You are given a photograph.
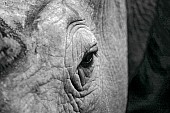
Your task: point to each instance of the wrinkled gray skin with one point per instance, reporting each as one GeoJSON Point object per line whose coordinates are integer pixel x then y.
{"type": "Point", "coordinates": [53, 76]}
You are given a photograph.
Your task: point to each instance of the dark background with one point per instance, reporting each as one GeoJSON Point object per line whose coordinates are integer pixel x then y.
{"type": "Point", "coordinates": [149, 56]}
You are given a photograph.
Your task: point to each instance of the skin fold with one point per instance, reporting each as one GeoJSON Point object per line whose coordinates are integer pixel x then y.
{"type": "Point", "coordinates": [59, 62]}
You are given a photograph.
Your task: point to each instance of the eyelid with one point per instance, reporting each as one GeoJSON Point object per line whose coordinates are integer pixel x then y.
{"type": "Point", "coordinates": [93, 49]}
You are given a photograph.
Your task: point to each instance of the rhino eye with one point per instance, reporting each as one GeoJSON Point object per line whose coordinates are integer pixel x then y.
{"type": "Point", "coordinates": [87, 60]}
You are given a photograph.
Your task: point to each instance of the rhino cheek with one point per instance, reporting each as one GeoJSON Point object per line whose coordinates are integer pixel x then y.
{"type": "Point", "coordinates": [48, 78]}
{"type": "Point", "coordinates": [45, 83]}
